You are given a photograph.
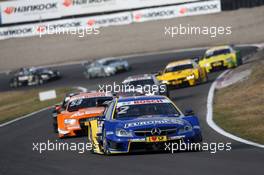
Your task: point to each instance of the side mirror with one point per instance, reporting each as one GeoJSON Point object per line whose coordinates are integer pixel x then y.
{"type": "Point", "coordinates": [158, 73]}
{"type": "Point", "coordinates": [188, 112]}
{"type": "Point", "coordinates": [57, 107]}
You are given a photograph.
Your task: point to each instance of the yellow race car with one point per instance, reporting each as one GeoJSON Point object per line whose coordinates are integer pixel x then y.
{"type": "Point", "coordinates": [182, 73]}
{"type": "Point", "coordinates": [220, 57]}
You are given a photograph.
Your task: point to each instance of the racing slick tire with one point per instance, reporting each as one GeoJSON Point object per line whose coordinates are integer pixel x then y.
{"type": "Point", "coordinates": [14, 83]}
{"type": "Point", "coordinates": [105, 149]}
{"type": "Point", "coordinates": [88, 76]}
{"type": "Point", "coordinates": [107, 74]}
{"type": "Point", "coordinates": [205, 79]}
{"type": "Point", "coordinates": [39, 80]}
{"type": "Point", "coordinates": [55, 127]}
{"type": "Point", "coordinates": [239, 59]}
{"type": "Point", "coordinates": [90, 140]}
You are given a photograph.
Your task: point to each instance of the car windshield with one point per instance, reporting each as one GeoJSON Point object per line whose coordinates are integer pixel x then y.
{"type": "Point", "coordinates": [178, 68]}
{"type": "Point", "coordinates": [109, 62]}
{"type": "Point", "coordinates": [146, 110]}
{"type": "Point", "coordinates": [81, 103]}
{"type": "Point", "coordinates": [22, 72]}
{"type": "Point", "coordinates": [217, 52]}
{"type": "Point", "coordinates": [43, 70]}
{"type": "Point", "coordinates": [145, 82]}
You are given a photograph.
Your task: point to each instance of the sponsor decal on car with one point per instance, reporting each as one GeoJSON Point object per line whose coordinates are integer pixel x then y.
{"type": "Point", "coordinates": [153, 122]}
{"type": "Point", "coordinates": [137, 102]}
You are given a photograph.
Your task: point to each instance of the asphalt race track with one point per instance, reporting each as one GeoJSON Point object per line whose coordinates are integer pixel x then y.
{"type": "Point", "coordinates": [17, 156]}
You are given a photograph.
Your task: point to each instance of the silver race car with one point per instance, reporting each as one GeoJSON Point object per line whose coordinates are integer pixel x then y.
{"type": "Point", "coordinates": [105, 67]}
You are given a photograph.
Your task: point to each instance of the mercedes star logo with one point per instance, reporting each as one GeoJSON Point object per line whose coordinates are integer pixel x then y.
{"type": "Point", "coordinates": [155, 131]}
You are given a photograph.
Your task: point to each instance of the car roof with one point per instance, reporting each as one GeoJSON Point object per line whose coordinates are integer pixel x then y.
{"type": "Point", "coordinates": [138, 77]}
{"type": "Point", "coordinates": [218, 48]}
{"type": "Point", "coordinates": [180, 62]}
{"type": "Point", "coordinates": [134, 98]}
{"type": "Point", "coordinates": [90, 95]}
{"type": "Point", "coordinates": [108, 59]}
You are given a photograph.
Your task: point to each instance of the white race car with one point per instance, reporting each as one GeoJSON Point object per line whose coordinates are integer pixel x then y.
{"type": "Point", "coordinates": [105, 67]}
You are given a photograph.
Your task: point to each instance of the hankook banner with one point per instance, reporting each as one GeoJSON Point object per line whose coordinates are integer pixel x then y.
{"type": "Point", "coordinates": [30, 10]}
{"type": "Point", "coordinates": [40, 29]}
{"type": "Point", "coordinates": [76, 7]}
{"type": "Point", "coordinates": [196, 8]}
{"type": "Point", "coordinates": [37, 10]}
{"type": "Point", "coordinates": [122, 18]}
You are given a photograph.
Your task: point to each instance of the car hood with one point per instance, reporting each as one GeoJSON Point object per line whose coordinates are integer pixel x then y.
{"type": "Point", "coordinates": [84, 113]}
{"type": "Point", "coordinates": [216, 58]}
{"type": "Point", "coordinates": [149, 122]}
{"type": "Point", "coordinates": [176, 75]}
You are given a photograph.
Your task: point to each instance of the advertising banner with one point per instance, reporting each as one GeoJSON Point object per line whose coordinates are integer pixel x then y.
{"type": "Point", "coordinates": [61, 26]}
{"type": "Point", "coordinates": [30, 10]}
{"type": "Point", "coordinates": [37, 10]}
{"type": "Point", "coordinates": [109, 20]}
{"type": "Point", "coordinates": [76, 7]}
{"type": "Point", "coordinates": [122, 18]}
{"type": "Point", "coordinates": [196, 8]}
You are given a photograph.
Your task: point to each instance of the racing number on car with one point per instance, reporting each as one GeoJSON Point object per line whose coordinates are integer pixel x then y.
{"type": "Point", "coordinates": [76, 103]}
{"type": "Point", "coordinates": [122, 109]}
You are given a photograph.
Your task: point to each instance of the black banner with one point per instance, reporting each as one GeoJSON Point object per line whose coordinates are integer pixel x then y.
{"type": "Point", "coordinates": [236, 4]}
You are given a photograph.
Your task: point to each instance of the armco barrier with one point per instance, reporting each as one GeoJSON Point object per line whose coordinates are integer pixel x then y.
{"type": "Point", "coordinates": [236, 4]}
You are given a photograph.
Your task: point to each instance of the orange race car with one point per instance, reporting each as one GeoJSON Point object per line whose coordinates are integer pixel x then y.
{"type": "Point", "coordinates": [78, 108]}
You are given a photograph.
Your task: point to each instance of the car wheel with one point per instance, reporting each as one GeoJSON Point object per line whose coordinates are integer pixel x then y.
{"type": "Point", "coordinates": [39, 81]}
{"type": "Point", "coordinates": [61, 136]}
{"type": "Point", "coordinates": [105, 148]}
{"type": "Point", "coordinates": [49, 77]}
{"type": "Point", "coordinates": [105, 74]}
{"type": "Point", "coordinates": [55, 126]}
{"type": "Point", "coordinates": [90, 139]}
{"type": "Point", "coordinates": [88, 76]}
{"type": "Point", "coordinates": [205, 79]}
{"type": "Point", "coordinates": [14, 83]}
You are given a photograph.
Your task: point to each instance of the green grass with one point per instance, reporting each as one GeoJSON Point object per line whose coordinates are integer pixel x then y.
{"type": "Point", "coordinates": [17, 103]}
{"type": "Point", "coordinates": [239, 109]}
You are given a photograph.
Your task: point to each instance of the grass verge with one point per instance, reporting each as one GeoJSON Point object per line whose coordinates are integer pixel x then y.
{"type": "Point", "coordinates": [239, 108]}
{"type": "Point", "coordinates": [17, 103]}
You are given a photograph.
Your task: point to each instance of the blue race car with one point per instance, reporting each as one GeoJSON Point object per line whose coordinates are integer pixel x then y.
{"type": "Point", "coordinates": [141, 123]}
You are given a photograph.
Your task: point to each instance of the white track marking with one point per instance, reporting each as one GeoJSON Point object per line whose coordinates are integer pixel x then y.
{"type": "Point", "coordinates": [23, 117]}
{"type": "Point", "coordinates": [36, 112]}
{"type": "Point", "coordinates": [212, 124]}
